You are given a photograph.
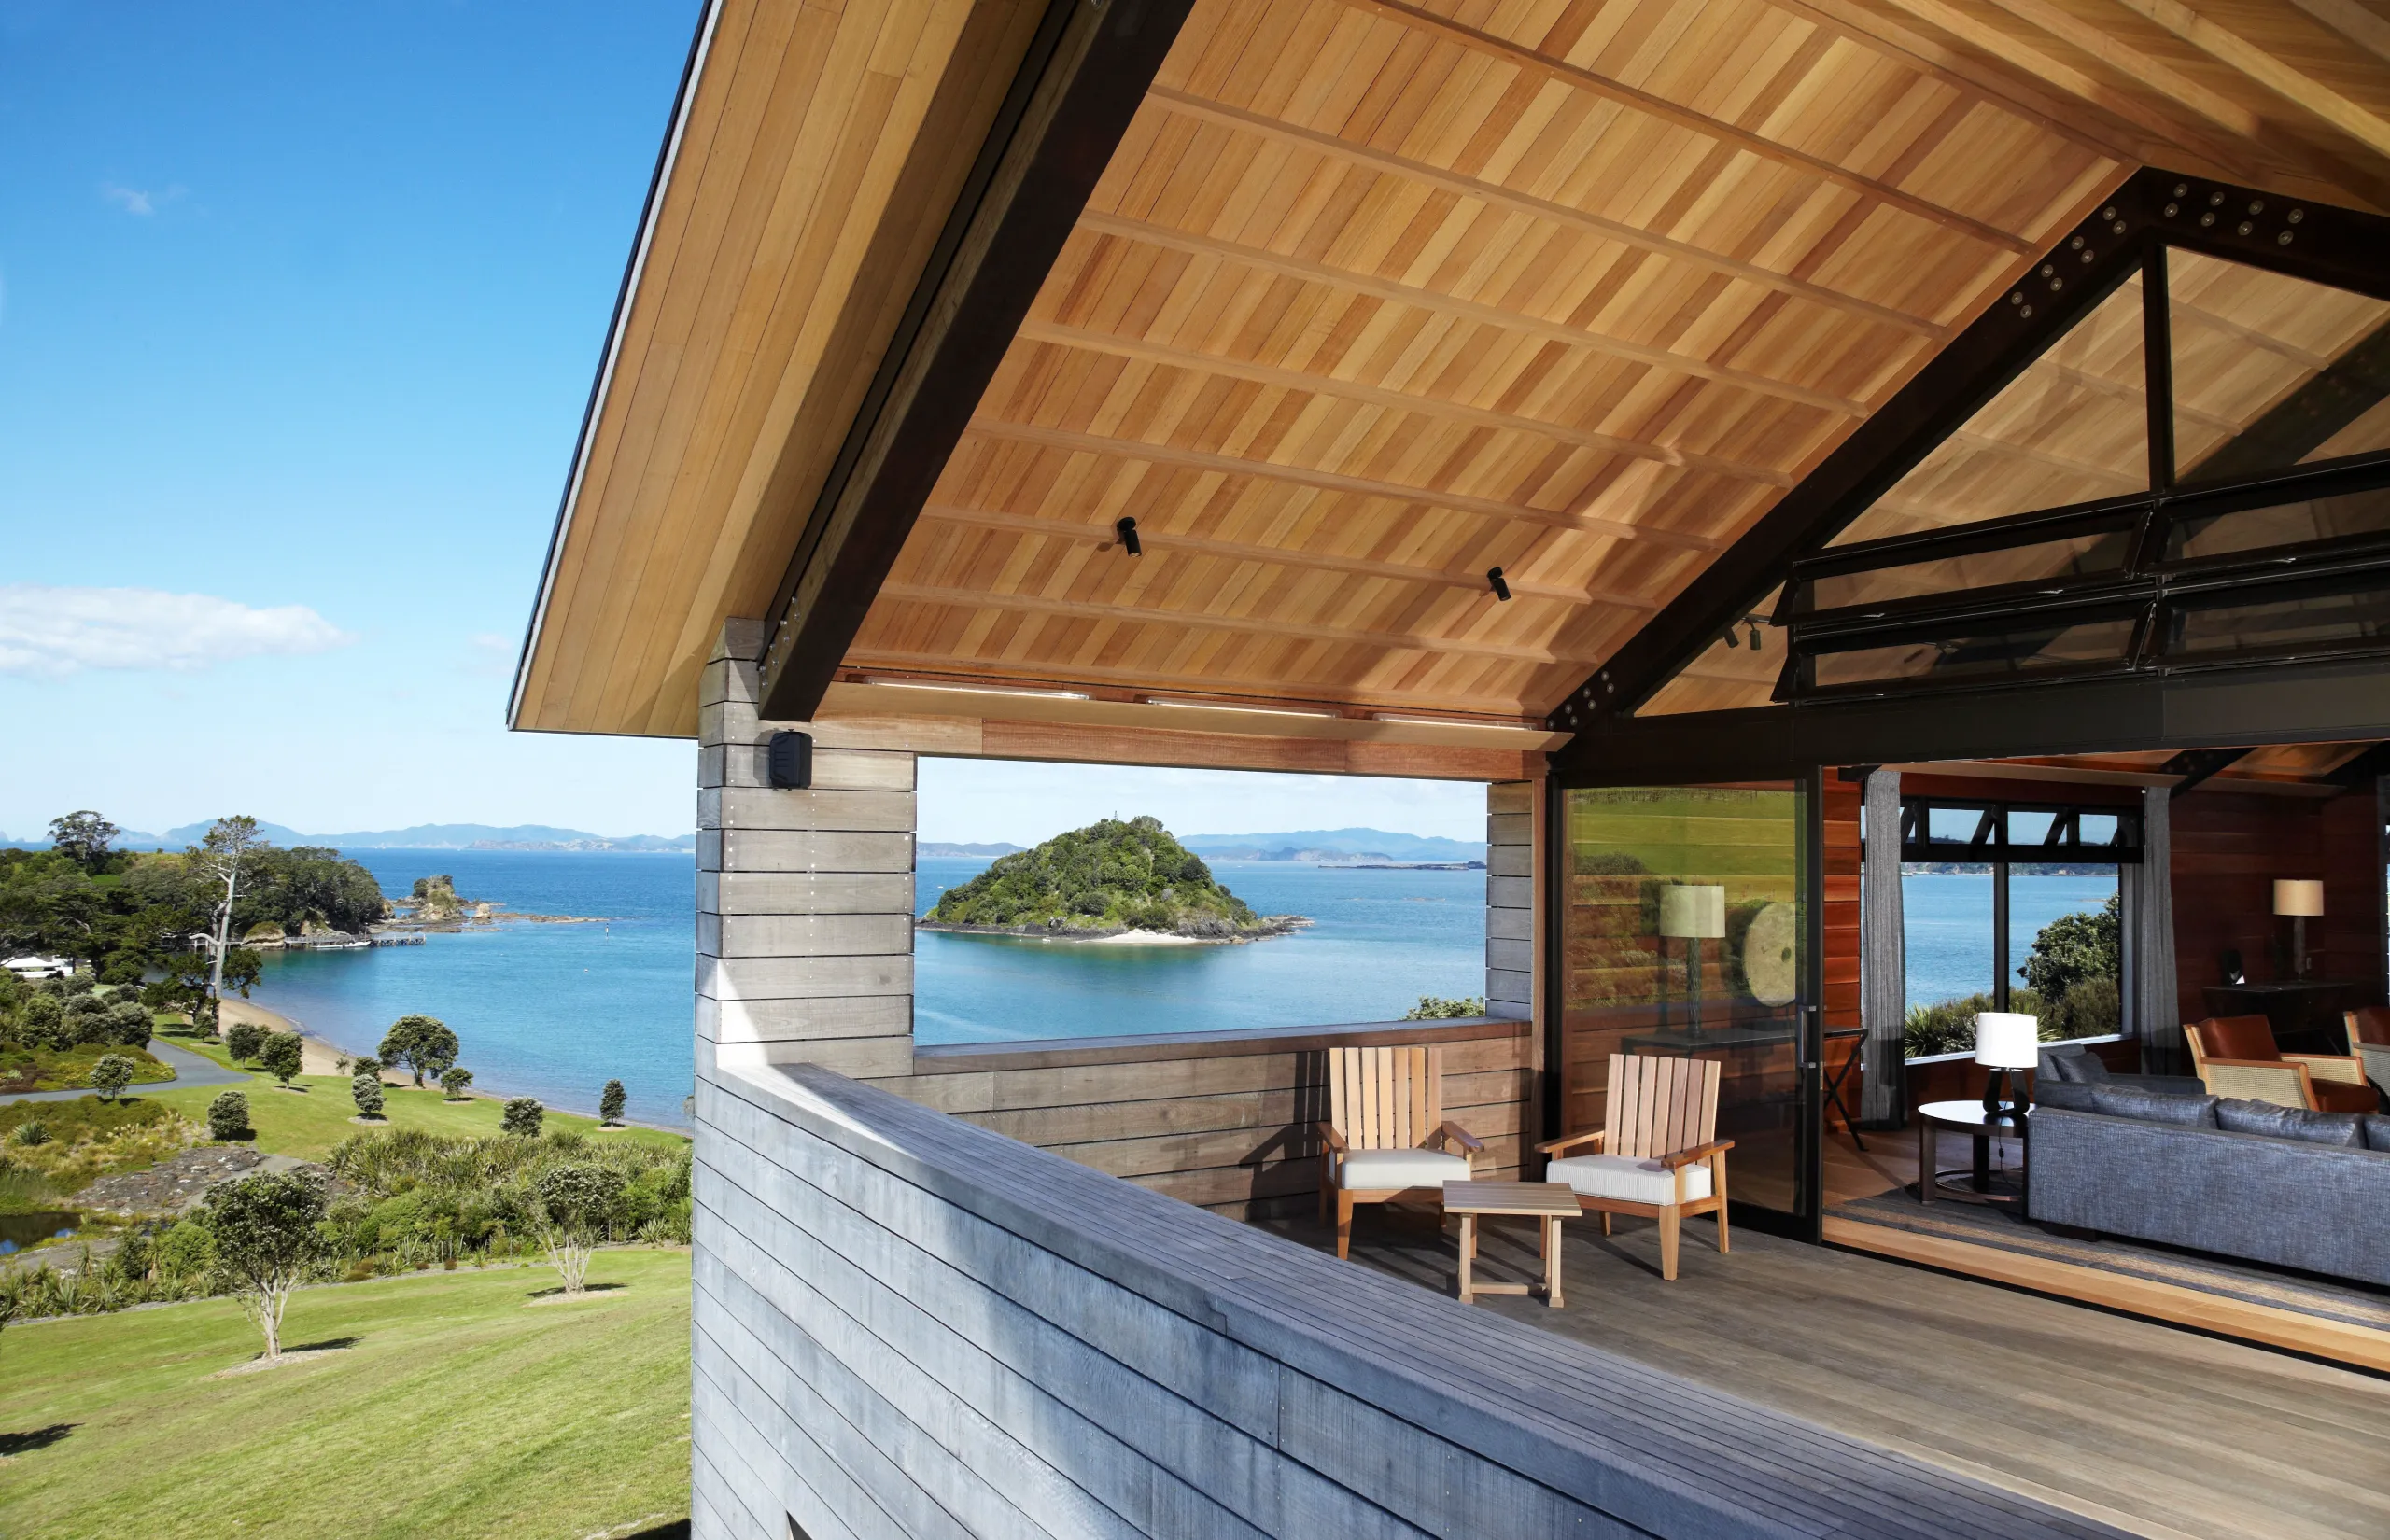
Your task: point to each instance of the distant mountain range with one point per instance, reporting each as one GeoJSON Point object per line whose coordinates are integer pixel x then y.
{"type": "Point", "coordinates": [1335, 844]}
{"type": "Point", "coordinates": [949, 848]}
{"type": "Point", "coordinates": [423, 837]}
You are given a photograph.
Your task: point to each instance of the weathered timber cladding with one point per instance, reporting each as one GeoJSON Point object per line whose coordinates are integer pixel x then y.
{"type": "Point", "coordinates": [1509, 898]}
{"type": "Point", "coordinates": [906, 1326]}
{"type": "Point", "coordinates": [1224, 1120]}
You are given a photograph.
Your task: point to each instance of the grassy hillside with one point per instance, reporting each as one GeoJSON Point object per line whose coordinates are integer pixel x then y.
{"type": "Point", "coordinates": [459, 1409]}
{"type": "Point", "coordinates": [1107, 877]}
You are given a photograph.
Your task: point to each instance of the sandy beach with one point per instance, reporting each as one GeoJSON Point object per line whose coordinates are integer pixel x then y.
{"type": "Point", "coordinates": [318, 1057]}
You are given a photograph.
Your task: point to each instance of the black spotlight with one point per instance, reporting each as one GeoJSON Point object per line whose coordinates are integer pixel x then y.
{"type": "Point", "coordinates": [1501, 589]}
{"type": "Point", "coordinates": [1127, 530]}
{"type": "Point", "coordinates": [1754, 625]}
{"type": "Point", "coordinates": [1730, 638]}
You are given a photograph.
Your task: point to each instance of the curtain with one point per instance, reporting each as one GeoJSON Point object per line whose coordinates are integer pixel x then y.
{"type": "Point", "coordinates": [1883, 956]}
{"type": "Point", "coordinates": [2150, 1007]}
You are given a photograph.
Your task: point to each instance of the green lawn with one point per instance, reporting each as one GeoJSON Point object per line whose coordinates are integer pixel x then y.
{"type": "Point", "coordinates": [459, 1411]}
{"type": "Point", "coordinates": [307, 1123]}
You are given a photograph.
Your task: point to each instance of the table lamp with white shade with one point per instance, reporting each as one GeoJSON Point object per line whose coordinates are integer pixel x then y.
{"type": "Point", "coordinates": [2299, 897]}
{"type": "Point", "coordinates": [2005, 1042]}
{"type": "Point", "coordinates": [1694, 913]}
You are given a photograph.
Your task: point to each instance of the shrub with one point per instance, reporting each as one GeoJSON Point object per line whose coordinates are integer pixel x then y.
{"type": "Point", "coordinates": [228, 1116]}
{"type": "Point", "coordinates": [1437, 1008]}
{"type": "Point", "coordinates": [184, 1253]}
{"type": "Point", "coordinates": [366, 1091]}
{"type": "Point", "coordinates": [31, 1133]}
{"type": "Point", "coordinates": [610, 1102]}
{"type": "Point", "coordinates": [282, 1053]}
{"type": "Point", "coordinates": [243, 1040]}
{"type": "Point", "coordinates": [111, 1075]}
{"type": "Point", "coordinates": [522, 1119]}
{"type": "Point", "coordinates": [129, 1025]}
{"type": "Point", "coordinates": [453, 1082]}
{"type": "Point", "coordinates": [2087, 945]}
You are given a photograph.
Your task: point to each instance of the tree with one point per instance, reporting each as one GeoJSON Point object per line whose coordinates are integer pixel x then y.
{"type": "Point", "coordinates": [609, 1105]}
{"type": "Point", "coordinates": [282, 1053]}
{"type": "Point", "coordinates": [130, 1024]}
{"type": "Point", "coordinates": [573, 1205]}
{"type": "Point", "coordinates": [453, 1081]}
{"type": "Point", "coordinates": [111, 1075]}
{"type": "Point", "coordinates": [221, 858]}
{"type": "Point", "coordinates": [365, 1064]}
{"type": "Point", "coordinates": [243, 1040]}
{"type": "Point", "coordinates": [421, 1044]}
{"type": "Point", "coordinates": [366, 1091]}
{"type": "Point", "coordinates": [266, 1230]}
{"type": "Point", "coordinates": [2072, 950]}
{"type": "Point", "coordinates": [83, 838]}
{"type": "Point", "coordinates": [523, 1115]}
{"type": "Point", "coordinates": [228, 1116]}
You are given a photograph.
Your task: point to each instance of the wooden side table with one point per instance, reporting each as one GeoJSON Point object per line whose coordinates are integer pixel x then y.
{"type": "Point", "coordinates": [1548, 1202]}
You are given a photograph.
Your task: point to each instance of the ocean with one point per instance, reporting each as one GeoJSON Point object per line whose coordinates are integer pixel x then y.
{"type": "Point", "coordinates": [555, 1011]}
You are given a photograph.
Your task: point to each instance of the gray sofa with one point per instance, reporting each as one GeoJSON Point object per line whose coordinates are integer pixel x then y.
{"type": "Point", "coordinates": [2073, 1064]}
{"type": "Point", "coordinates": [2127, 1162]}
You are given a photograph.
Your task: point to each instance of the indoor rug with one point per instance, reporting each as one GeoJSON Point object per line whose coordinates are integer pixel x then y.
{"type": "Point", "coordinates": [1976, 1224]}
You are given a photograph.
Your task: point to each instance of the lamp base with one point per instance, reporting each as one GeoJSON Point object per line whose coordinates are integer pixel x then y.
{"type": "Point", "coordinates": [2001, 1103]}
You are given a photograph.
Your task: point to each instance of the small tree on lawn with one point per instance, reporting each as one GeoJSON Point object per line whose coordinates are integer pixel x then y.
{"type": "Point", "coordinates": [523, 1115]}
{"type": "Point", "coordinates": [111, 1075]}
{"type": "Point", "coordinates": [453, 1082]}
{"type": "Point", "coordinates": [282, 1053]}
{"type": "Point", "coordinates": [266, 1230]}
{"type": "Point", "coordinates": [365, 1064]}
{"type": "Point", "coordinates": [243, 1040]}
{"type": "Point", "coordinates": [610, 1102]}
{"type": "Point", "coordinates": [573, 1206]}
{"type": "Point", "coordinates": [423, 1045]}
{"type": "Point", "coordinates": [366, 1091]}
{"type": "Point", "coordinates": [228, 1116]}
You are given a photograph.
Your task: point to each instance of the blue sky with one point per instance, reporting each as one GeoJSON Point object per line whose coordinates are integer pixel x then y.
{"type": "Point", "coordinates": [298, 309]}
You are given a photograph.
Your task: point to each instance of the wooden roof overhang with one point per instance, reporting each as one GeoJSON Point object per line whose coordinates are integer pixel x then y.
{"type": "Point", "coordinates": [1345, 302]}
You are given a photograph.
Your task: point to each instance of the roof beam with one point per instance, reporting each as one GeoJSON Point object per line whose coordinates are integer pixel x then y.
{"type": "Point", "coordinates": [1074, 98]}
{"type": "Point", "coordinates": [1520, 56]}
{"type": "Point", "coordinates": [2196, 766]}
{"type": "Point", "coordinates": [1157, 539]}
{"type": "Point", "coordinates": [1256, 625]}
{"type": "Point", "coordinates": [1498, 196]}
{"type": "Point", "coordinates": [1330, 481]}
{"type": "Point", "coordinates": [2296, 86]}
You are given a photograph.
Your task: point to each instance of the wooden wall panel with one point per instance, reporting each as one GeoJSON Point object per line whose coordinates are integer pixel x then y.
{"type": "Point", "coordinates": [2228, 850]}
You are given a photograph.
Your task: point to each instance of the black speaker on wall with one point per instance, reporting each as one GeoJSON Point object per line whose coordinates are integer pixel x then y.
{"type": "Point", "coordinates": [788, 761]}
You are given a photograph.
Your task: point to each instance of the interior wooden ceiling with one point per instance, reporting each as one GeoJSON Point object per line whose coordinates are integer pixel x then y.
{"type": "Point", "coordinates": [2294, 769]}
{"type": "Point", "coordinates": [1372, 297]}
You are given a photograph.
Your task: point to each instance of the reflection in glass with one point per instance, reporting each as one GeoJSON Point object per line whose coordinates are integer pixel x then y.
{"type": "Point", "coordinates": [1729, 673]}
{"type": "Point", "coordinates": [1626, 987]}
{"type": "Point", "coordinates": [2285, 525]}
{"type": "Point", "coordinates": [2302, 618]}
{"type": "Point", "coordinates": [2083, 554]}
{"type": "Point", "coordinates": [1980, 654]}
{"type": "Point", "coordinates": [2271, 372]}
{"type": "Point", "coordinates": [2072, 428]}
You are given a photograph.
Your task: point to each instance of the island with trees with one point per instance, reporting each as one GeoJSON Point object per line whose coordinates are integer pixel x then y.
{"type": "Point", "coordinates": [1113, 880]}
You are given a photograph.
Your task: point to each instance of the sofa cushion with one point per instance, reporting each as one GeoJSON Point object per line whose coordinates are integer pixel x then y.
{"type": "Point", "coordinates": [2075, 1096]}
{"type": "Point", "coordinates": [2345, 1129]}
{"type": "Point", "coordinates": [2377, 1131]}
{"type": "Point", "coordinates": [2191, 1112]}
{"type": "Point", "coordinates": [2072, 1066]}
{"type": "Point", "coordinates": [1625, 1178]}
{"type": "Point", "coordinates": [1382, 1170]}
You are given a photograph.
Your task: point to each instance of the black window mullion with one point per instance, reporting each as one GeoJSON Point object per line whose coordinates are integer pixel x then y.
{"type": "Point", "coordinates": [2157, 361]}
{"type": "Point", "coordinates": [2000, 935]}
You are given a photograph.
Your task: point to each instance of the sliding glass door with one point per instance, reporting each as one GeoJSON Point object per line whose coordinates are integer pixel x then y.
{"type": "Point", "coordinates": [1686, 930]}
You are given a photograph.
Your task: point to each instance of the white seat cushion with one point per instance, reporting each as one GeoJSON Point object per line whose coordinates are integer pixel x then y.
{"type": "Point", "coordinates": [1380, 1170]}
{"type": "Point", "coordinates": [1626, 1178]}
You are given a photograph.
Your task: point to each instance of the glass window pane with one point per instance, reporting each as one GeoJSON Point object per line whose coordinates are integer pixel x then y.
{"type": "Point", "coordinates": [1979, 654]}
{"type": "Point", "coordinates": [1945, 932]}
{"type": "Point", "coordinates": [2027, 828]}
{"type": "Point", "coordinates": [2065, 952]}
{"type": "Point", "coordinates": [2298, 620]}
{"type": "Point", "coordinates": [2097, 829]}
{"type": "Point", "coordinates": [2271, 372]}
{"type": "Point", "coordinates": [1681, 936]}
{"type": "Point", "coordinates": [2083, 554]}
{"type": "Point", "coordinates": [1725, 677]}
{"type": "Point", "coordinates": [1960, 825]}
{"type": "Point", "coordinates": [2287, 525]}
{"type": "Point", "coordinates": [2074, 427]}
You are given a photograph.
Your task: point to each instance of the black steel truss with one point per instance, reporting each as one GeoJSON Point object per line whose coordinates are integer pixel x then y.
{"type": "Point", "coordinates": [2130, 233]}
{"type": "Point", "coordinates": [2061, 843]}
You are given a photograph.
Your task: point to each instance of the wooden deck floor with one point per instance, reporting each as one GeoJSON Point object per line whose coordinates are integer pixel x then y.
{"type": "Point", "coordinates": [2161, 1431]}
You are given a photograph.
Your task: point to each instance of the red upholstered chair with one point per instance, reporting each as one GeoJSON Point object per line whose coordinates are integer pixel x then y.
{"type": "Point", "coordinates": [2236, 1056]}
{"type": "Point", "coordinates": [2369, 1024]}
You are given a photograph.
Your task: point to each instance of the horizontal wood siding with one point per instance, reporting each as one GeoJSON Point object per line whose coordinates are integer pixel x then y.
{"type": "Point", "coordinates": [904, 1326]}
{"type": "Point", "coordinates": [1223, 1120]}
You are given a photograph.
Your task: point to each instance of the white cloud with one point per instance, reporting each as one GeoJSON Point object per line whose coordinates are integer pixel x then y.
{"type": "Point", "coordinates": [50, 633]}
{"type": "Point", "coordinates": [131, 200]}
{"type": "Point", "coordinates": [493, 655]}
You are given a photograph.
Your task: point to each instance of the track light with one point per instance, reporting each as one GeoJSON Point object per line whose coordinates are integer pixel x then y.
{"type": "Point", "coordinates": [1730, 638]}
{"type": "Point", "coordinates": [1754, 625]}
{"type": "Point", "coordinates": [1494, 579]}
{"type": "Point", "coordinates": [1127, 530]}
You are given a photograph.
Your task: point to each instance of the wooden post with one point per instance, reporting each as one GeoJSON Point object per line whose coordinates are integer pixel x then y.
{"type": "Point", "coordinates": [1513, 928]}
{"type": "Point", "coordinates": [805, 898]}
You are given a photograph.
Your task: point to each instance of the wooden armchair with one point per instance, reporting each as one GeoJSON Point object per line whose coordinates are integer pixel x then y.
{"type": "Point", "coordinates": [1385, 1139]}
{"type": "Point", "coordinates": [1658, 1154]}
{"type": "Point", "coordinates": [2236, 1056]}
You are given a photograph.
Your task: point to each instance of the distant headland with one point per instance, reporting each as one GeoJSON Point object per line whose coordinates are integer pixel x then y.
{"type": "Point", "coordinates": [1112, 881]}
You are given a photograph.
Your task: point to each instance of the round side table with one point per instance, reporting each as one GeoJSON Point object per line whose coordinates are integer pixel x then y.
{"type": "Point", "coordinates": [1966, 1117]}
